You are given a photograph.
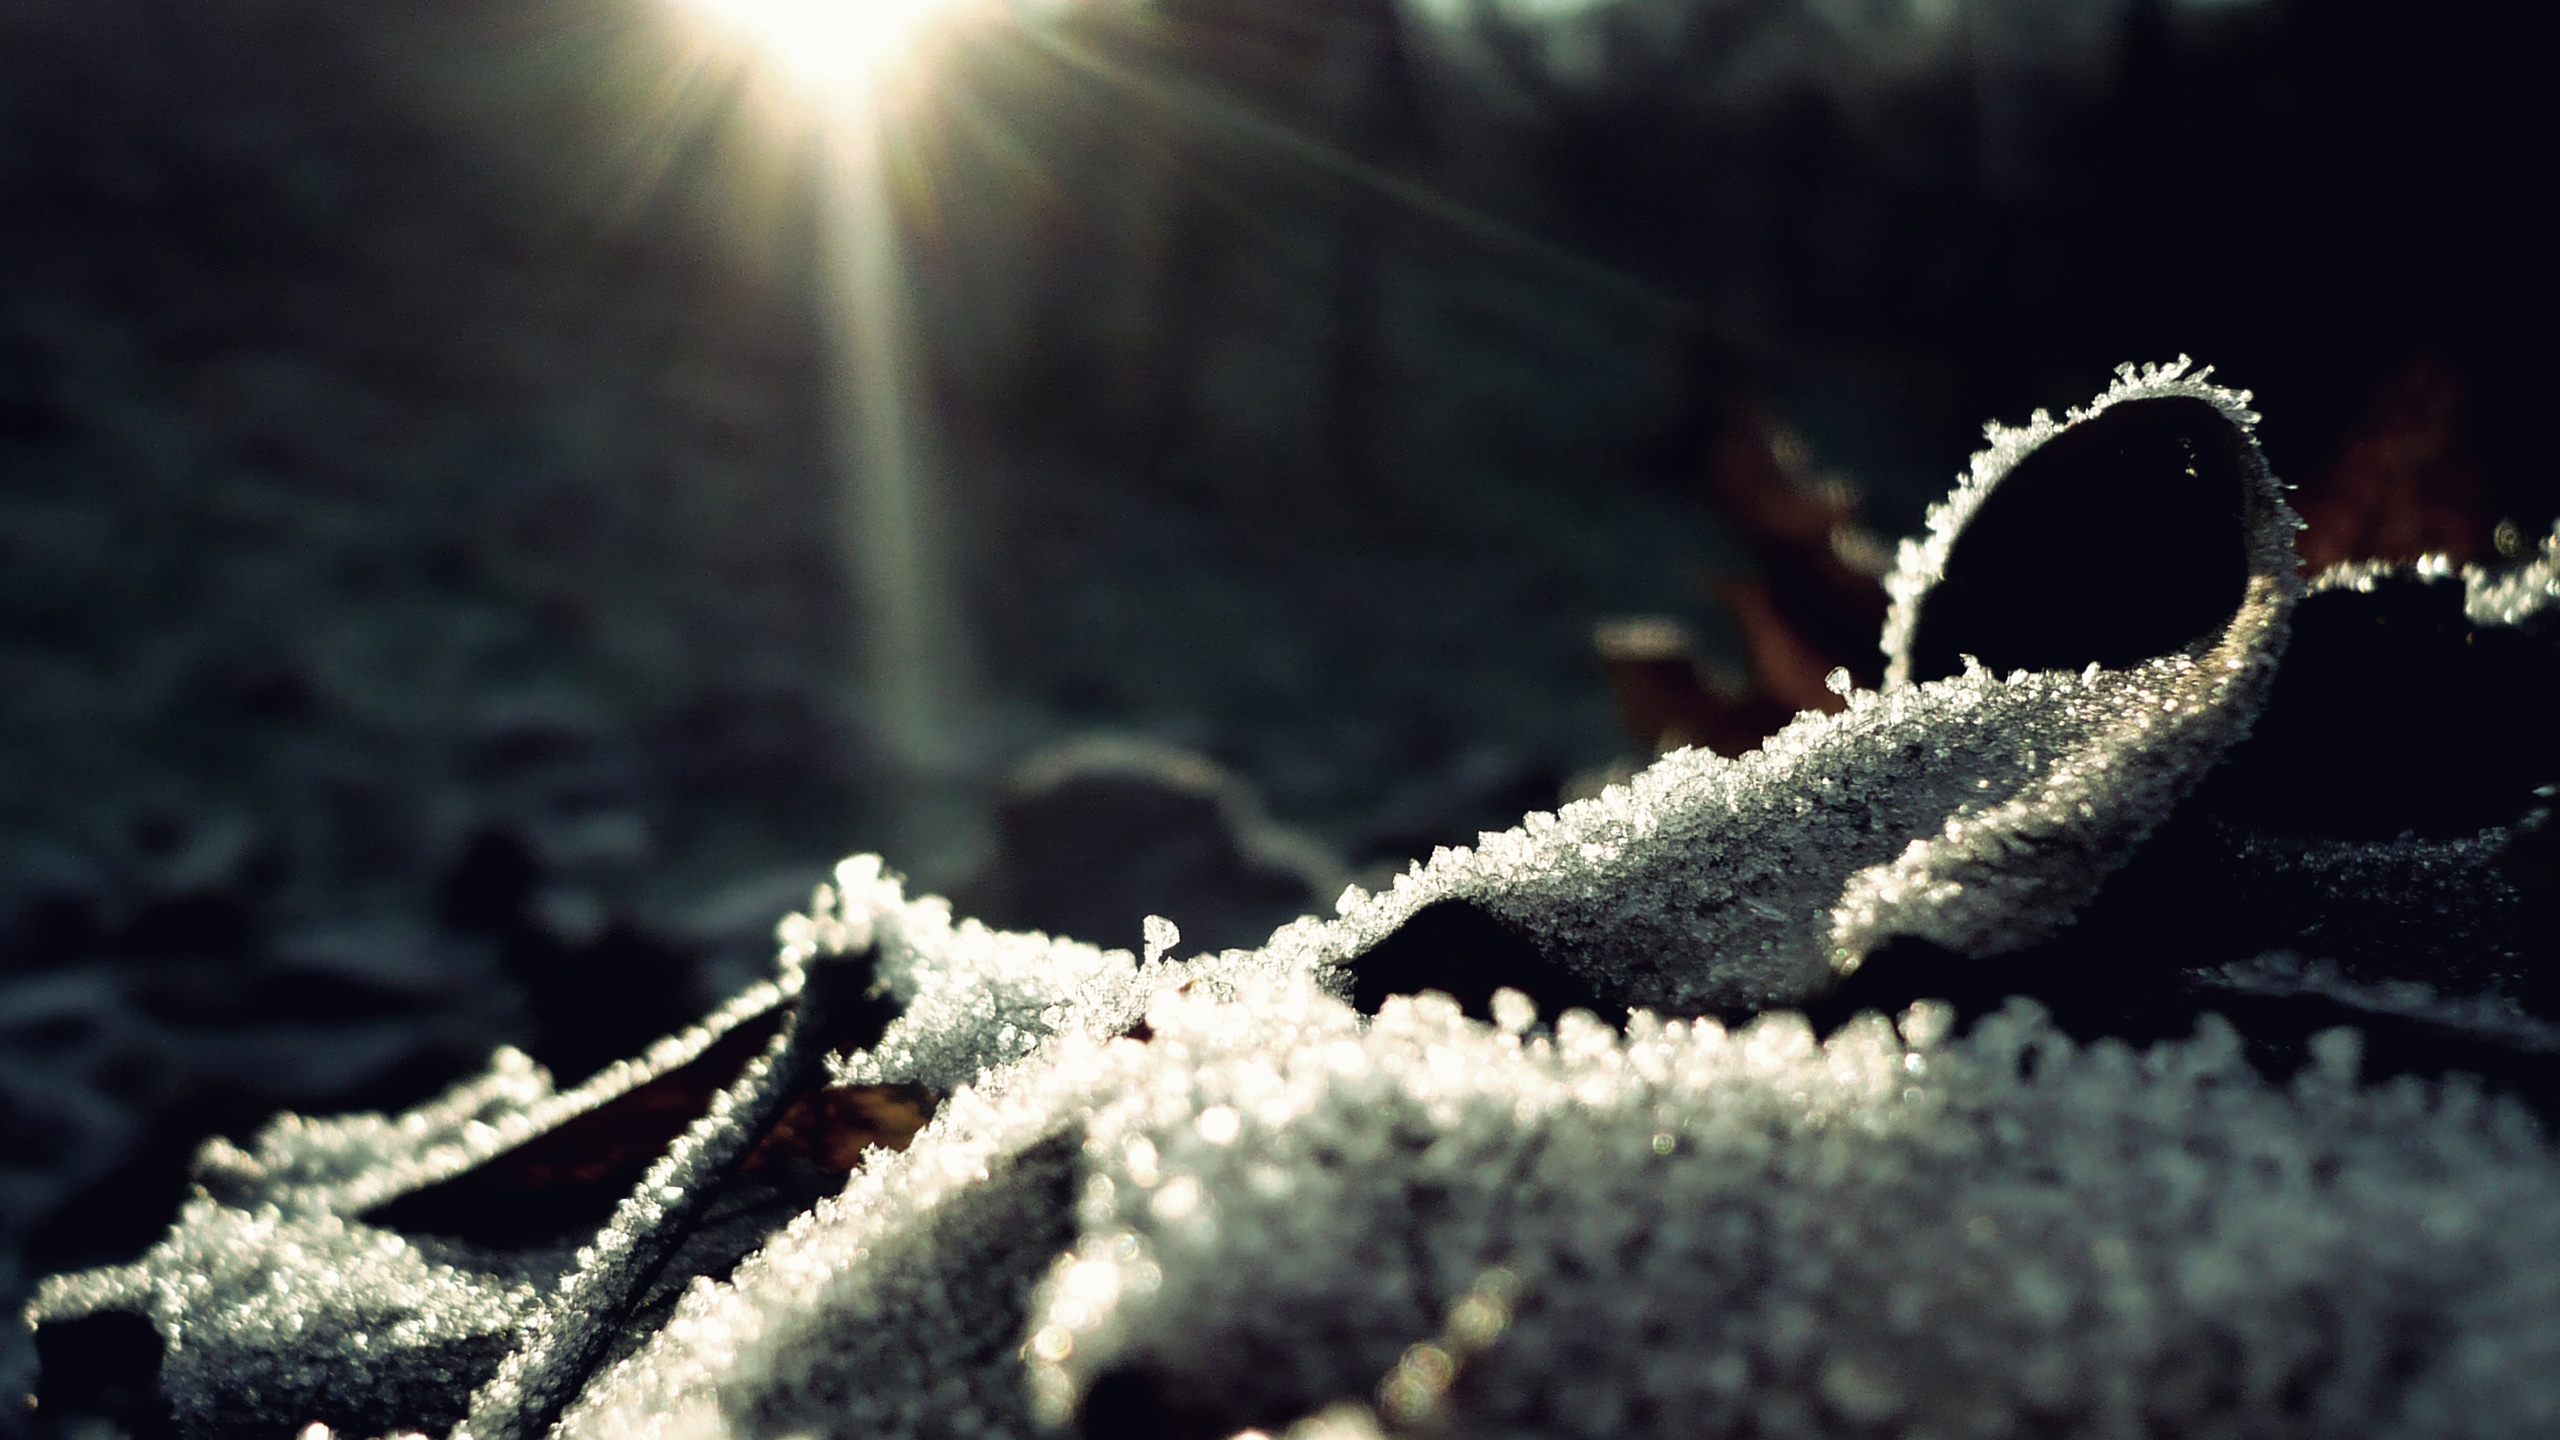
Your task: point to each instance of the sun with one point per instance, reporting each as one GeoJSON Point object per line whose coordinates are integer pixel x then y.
{"type": "Point", "coordinates": [839, 49]}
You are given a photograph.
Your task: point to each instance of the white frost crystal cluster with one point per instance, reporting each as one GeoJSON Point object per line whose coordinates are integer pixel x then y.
{"type": "Point", "coordinates": [1167, 1196]}
{"type": "Point", "coordinates": [275, 1300]}
{"type": "Point", "coordinates": [2525, 595]}
{"type": "Point", "coordinates": [1704, 1232]}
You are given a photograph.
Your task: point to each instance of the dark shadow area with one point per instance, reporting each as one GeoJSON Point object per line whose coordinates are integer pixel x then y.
{"type": "Point", "coordinates": [593, 1000]}
{"type": "Point", "coordinates": [2121, 539]}
{"type": "Point", "coordinates": [116, 1216]}
{"type": "Point", "coordinates": [2392, 712]}
{"type": "Point", "coordinates": [1124, 1405]}
{"type": "Point", "coordinates": [105, 1367]}
{"type": "Point", "coordinates": [2128, 988]}
{"type": "Point", "coordinates": [1457, 949]}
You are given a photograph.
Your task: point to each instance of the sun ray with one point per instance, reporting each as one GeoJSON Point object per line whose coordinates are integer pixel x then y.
{"type": "Point", "coordinates": [880, 95]}
{"type": "Point", "coordinates": [1206, 108]}
{"type": "Point", "coordinates": [858, 83]}
{"type": "Point", "coordinates": [843, 53]}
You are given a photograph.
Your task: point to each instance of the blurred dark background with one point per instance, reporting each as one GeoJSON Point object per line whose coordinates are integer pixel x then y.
{"type": "Point", "coordinates": [424, 614]}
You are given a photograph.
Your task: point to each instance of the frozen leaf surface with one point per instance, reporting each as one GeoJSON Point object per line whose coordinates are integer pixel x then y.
{"type": "Point", "coordinates": [499, 1240]}
{"type": "Point", "coordinates": [1272, 1188]}
{"type": "Point", "coordinates": [1707, 1231]}
{"type": "Point", "coordinates": [2092, 620]}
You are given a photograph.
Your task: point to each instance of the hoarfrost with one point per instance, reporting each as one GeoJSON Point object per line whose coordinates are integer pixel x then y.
{"type": "Point", "coordinates": [1195, 1197]}
{"type": "Point", "coordinates": [2525, 595]}
{"type": "Point", "coordinates": [1978, 811]}
{"type": "Point", "coordinates": [1698, 1231]}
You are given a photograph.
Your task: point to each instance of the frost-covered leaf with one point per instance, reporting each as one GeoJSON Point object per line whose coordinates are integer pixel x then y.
{"type": "Point", "coordinates": [1611, 1181]}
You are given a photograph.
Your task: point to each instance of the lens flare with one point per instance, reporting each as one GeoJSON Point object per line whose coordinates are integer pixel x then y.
{"type": "Point", "coordinates": [864, 79]}
{"type": "Point", "coordinates": [840, 49]}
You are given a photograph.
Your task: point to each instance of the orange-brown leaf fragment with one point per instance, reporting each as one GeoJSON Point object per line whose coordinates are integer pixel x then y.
{"type": "Point", "coordinates": [832, 1127]}
{"type": "Point", "coordinates": [2404, 484]}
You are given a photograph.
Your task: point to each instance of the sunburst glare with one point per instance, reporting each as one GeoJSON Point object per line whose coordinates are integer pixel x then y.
{"type": "Point", "coordinates": [890, 91]}
{"type": "Point", "coordinates": [841, 50]}
{"type": "Point", "coordinates": [860, 74]}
